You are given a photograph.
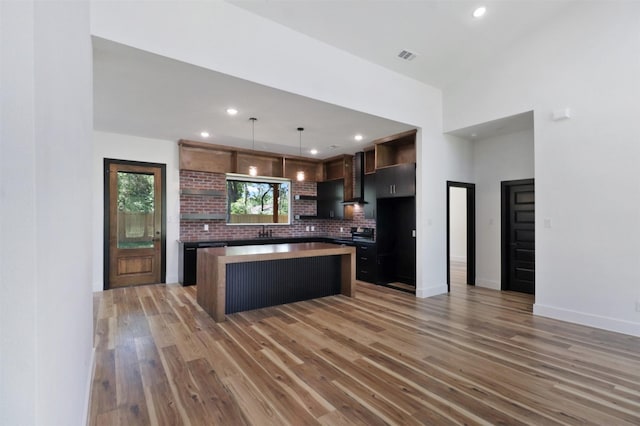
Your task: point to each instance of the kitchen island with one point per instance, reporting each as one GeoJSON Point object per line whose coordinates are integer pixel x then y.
{"type": "Point", "coordinates": [234, 279]}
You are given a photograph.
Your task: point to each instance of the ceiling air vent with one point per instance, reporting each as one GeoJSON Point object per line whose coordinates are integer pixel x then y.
{"type": "Point", "coordinates": [406, 55]}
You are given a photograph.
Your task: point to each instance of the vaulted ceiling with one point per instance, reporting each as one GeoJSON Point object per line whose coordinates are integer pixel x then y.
{"type": "Point", "coordinates": [147, 95]}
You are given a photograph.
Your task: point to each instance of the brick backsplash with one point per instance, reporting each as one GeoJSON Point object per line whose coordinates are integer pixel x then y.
{"type": "Point", "coordinates": [193, 230]}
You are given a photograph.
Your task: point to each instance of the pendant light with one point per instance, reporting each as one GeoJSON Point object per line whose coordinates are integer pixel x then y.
{"type": "Point", "coordinates": [253, 170]}
{"type": "Point", "coordinates": [300, 174]}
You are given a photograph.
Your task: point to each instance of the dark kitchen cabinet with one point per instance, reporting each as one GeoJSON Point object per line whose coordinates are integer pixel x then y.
{"type": "Point", "coordinates": [188, 260]}
{"type": "Point", "coordinates": [366, 262]}
{"type": "Point", "coordinates": [396, 181]}
{"type": "Point", "coordinates": [370, 196]}
{"type": "Point", "coordinates": [396, 243]}
{"type": "Point", "coordinates": [330, 196]}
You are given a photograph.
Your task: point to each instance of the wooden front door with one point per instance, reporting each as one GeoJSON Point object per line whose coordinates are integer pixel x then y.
{"type": "Point", "coordinates": [134, 217]}
{"type": "Point", "coordinates": [518, 251]}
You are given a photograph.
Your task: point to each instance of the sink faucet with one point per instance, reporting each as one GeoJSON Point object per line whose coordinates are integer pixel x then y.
{"type": "Point", "coordinates": [264, 233]}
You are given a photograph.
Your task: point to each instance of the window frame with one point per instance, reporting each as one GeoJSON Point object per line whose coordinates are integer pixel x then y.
{"type": "Point", "coordinates": [258, 179]}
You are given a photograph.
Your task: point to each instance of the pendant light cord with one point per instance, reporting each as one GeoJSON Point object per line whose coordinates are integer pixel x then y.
{"type": "Point", "coordinates": [253, 132]}
{"type": "Point", "coordinates": [300, 130]}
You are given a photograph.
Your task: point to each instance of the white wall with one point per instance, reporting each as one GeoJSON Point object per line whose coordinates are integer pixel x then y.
{"type": "Point", "coordinates": [198, 33]}
{"type": "Point", "coordinates": [585, 167]}
{"type": "Point", "coordinates": [45, 220]}
{"type": "Point", "coordinates": [126, 147]}
{"type": "Point", "coordinates": [506, 157]}
{"type": "Point", "coordinates": [458, 224]}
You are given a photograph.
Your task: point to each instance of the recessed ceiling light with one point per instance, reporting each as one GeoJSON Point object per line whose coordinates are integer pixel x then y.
{"type": "Point", "coordinates": [358, 137]}
{"type": "Point", "coordinates": [204, 134]}
{"type": "Point", "coordinates": [479, 12]}
{"type": "Point", "coordinates": [313, 151]}
{"type": "Point", "coordinates": [232, 111]}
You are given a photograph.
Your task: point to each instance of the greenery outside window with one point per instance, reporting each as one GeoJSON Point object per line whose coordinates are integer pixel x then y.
{"type": "Point", "coordinates": [258, 201]}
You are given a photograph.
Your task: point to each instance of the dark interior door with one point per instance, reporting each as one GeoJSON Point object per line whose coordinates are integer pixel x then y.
{"type": "Point", "coordinates": [519, 236]}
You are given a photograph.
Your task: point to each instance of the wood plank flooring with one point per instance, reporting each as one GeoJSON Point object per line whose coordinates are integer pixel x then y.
{"type": "Point", "coordinates": [474, 356]}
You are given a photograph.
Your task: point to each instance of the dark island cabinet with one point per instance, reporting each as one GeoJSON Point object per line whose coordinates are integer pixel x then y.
{"type": "Point", "coordinates": [396, 181]}
{"type": "Point", "coordinates": [330, 195]}
{"type": "Point", "coordinates": [366, 262]}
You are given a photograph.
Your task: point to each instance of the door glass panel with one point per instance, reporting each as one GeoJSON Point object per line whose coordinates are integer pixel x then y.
{"type": "Point", "coordinates": [136, 206]}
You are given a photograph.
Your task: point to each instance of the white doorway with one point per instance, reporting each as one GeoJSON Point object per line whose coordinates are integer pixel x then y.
{"type": "Point", "coordinates": [460, 234]}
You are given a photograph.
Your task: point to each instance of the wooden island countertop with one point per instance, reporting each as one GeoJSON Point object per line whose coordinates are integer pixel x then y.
{"type": "Point", "coordinates": [212, 268]}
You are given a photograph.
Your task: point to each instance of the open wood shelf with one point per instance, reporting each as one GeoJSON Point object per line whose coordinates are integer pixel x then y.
{"type": "Point", "coordinates": [370, 161]}
{"type": "Point", "coordinates": [202, 192]}
{"type": "Point", "coordinates": [396, 149]}
{"type": "Point", "coordinates": [304, 217]}
{"type": "Point", "coordinates": [203, 216]}
{"type": "Point", "coordinates": [305, 197]}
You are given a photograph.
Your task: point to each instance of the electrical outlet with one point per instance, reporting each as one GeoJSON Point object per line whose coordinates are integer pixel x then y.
{"type": "Point", "coordinates": [206, 227]}
{"type": "Point", "coordinates": [313, 228]}
{"type": "Point", "coordinates": [307, 228]}
{"type": "Point", "coordinates": [341, 229]}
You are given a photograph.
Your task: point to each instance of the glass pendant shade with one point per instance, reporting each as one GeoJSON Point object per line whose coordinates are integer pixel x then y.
{"type": "Point", "coordinates": [253, 170]}
{"type": "Point", "coordinates": [300, 174]}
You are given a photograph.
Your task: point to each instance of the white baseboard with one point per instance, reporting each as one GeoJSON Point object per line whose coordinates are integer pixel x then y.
{"type": "Point", "coordinates": [431, 291]}
{"type": "Point", "coordinates": [605, 323]}
{"type": "Point", "coordinates": [458, 258]}
{"type": "Point", "coordinates": [87, 399]}
{"type": "Point", "coordinates": [492, 284]}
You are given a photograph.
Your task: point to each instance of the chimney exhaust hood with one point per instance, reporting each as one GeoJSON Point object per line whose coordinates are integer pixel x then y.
{"type": "Point", "coordinates": [358, 182]}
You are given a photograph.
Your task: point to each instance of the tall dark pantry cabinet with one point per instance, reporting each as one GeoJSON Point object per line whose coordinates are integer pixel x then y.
{"type": "Point", "coordinates": [395, 180]}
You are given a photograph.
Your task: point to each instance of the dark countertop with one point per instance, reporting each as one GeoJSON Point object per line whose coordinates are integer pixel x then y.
{"type": "Point", "coordinates": [271, 251]}
{"type": "Point", "coordinates": [274, 240]}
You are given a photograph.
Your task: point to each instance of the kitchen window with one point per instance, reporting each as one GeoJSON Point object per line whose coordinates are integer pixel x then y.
{"type": "Point", "coordinates": [258, 201]}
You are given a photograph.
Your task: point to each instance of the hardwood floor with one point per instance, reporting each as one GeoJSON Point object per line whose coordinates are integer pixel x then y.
{"type": "Point", "coordinates": [474, 356]}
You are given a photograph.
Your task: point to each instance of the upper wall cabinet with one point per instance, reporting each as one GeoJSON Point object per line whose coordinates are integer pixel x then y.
{"type": "Point", "coordinates": [395, 161]}
{"type": "Point", "coordinates": [211, 158]}
{"type": "Point", "coordinates": [202, 158]}
{"type": "Point", "coordinates": [396, 149]}
{"type": "Point", "coordinates": [396, 181]}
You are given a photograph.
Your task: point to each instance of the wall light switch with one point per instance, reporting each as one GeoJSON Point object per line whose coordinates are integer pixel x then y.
{"type": "Point", "coordinates": [547, 223]}
{"type": "Point", "coordinates": [206, 227]}
{"type": "Point", "coordinates": [341, 229]}
{"type": "Point", "coordinates": [307, 228]}
{"type": "Point", "coordinates": [313, 228]}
